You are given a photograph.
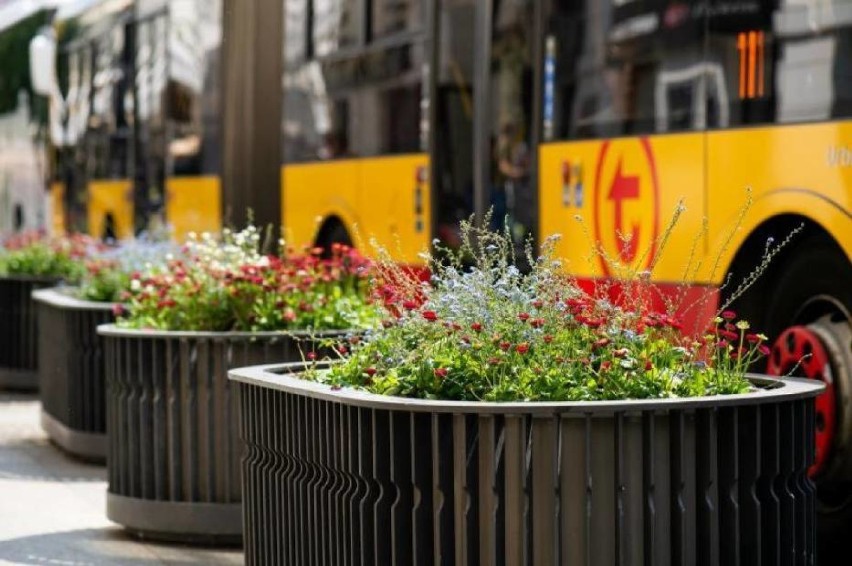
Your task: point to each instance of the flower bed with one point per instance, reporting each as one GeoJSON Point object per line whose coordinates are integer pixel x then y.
{"type": "Point", "coordinates": [374, 479]}
{"type": "Point", "coordinates": [509, 416]}
{"type": "Point", "coordinates": [71, 374]}
{"type": "Point", "coordinates": [174, 445]}
{"type": "Point", "coordinates": [28, 263]}
{"type": "Point", "coordinates": [19, 331]}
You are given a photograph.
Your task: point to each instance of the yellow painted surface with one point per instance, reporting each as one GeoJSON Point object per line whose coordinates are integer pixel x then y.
{"type": "Point", "coordinates": [789, 170]}
{"type": "Point", "coordinates": [373, 197]}
{"type": "Point", "coordinates": [57, 208]}
{"type": "Point", "coordinates": [193, 204]}
{"type": "Point", "coordinates": [112, 197]}
{"type": "Point", "coordinates": [646, 178]}
{"type": "Point", "coordinates": [787, 167]}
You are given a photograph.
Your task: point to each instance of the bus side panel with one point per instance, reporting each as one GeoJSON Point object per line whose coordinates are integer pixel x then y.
{"type": "Point", "coordinates": [315, 192]}
{"type": "Point", "coordinates": [394, 205]}
{"type": "Point", "coordinates": [57, 208]}
{"type": "Point", "coordinates": [625, 192]}
{"type": "Point", "coordinates": [797, 169]}
{"type": "Point", "coordinates": [112, 198]}
{"type": "Point", "coordinates": [193, 204]}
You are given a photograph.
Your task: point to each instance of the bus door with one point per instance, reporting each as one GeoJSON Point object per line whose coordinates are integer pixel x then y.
{"type": "Point", "coordinates": [483, 109]}
{"type": "Point", "coordinates": [453, 106]}
{"type": "Point", "coordinates": [355, 128]}
{"type": "Point", "coordinates": [624, 113]}
{"type": "Point", "coordinates": [106, 143]}
{"type": "Point", "coordinates": [151, 71]}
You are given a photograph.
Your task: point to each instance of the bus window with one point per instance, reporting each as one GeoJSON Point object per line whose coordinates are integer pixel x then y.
{"type": "Point", "coordinates": [742, 44]}
{"type": "Point", "coordinates": [390, 17]}
{"type": "Point", "coordinates": [626, 68]}
{"type": "Point", "coordinates": [337, 24]}
{"type": "Point", "coordinates": [360, 101]}
{"type": "Point", "coordinates": [453, 183]}
{"type": "Point", "coordinates": [511, 198]}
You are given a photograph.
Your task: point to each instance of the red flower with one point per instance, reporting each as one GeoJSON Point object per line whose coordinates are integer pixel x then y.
{"type": "Point", "coordinates": [621, 352]}
{"type": "Point", "coordinates": [538, 303]}
{"type": "Point", "coordinates": [537, 322]}
{"type": "Point", "coordinates": [370, 371]}
{"type": "Point", "coordinates": [441, 373]}
{"type": "Point", "coordinates": [601, 343]}
{"type": "Point", "coordinates": [648, 365]}
{"type": "Point", "coordinates": [476, 327]}
{"type": "Point", "coordinates": [606, 365]}
{"type": "Point", "coordinates": [118, 310]}
{"type": "Point", "coordinates": [523, 317]}
{"type": "Point", "coordinates": [763, 349]}
{"type": "Point", "coordinates": [342, 349]}
{"type": "Point", "coordinates": [409, 305]}
{"type": "Point", "coordinates": [505, 346]}
{"type": "Point", "coordinates": [728, 335]}
{"type": "Point", "coordinates": [312, 356]}
{"type": "Point", "coordinates": [547, 338]}
{"type": "Point", "coordinates": [729, 315]}
{"type": "Point", "coordinates": [431, 316]}
{"type": "Point", "coordinates": [493, 361]}
{"type": "Point", "coordinates": [752, 338]}
{"type": "Point", "coordinates": [522, 348]}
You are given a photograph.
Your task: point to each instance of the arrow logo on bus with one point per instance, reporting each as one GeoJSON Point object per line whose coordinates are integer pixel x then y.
{"type": "Point", "coordinates": [624, 187]}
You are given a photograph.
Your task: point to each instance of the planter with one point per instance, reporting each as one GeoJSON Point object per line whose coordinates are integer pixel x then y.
{"type": "Point", "coordinates": [19, 331]}
{"type": "Point", "coordinates": [173, 419]}
{"type": "Point", "coordinates": [71, 372]}
{"type": "Point", "coordinates": [347, 477]}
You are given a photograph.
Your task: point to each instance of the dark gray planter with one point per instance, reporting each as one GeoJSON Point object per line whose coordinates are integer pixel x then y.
{"type": "Point", "coordinates": [19, 331]}
{"type": "Point", "coordinates": [174, 447]}
{"type": "Point", "coordinates": [71, 371]}
{"type": "Point", "coordinates": [346, 477]}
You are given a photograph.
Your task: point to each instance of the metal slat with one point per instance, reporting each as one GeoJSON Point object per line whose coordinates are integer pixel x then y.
{"type": "Point", "coordinates": [707, 488]}
{"type": "Point", "coordinates": [543, 484]}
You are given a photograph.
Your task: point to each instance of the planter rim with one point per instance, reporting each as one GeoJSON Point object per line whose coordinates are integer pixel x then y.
{"type": "Point", "coordinates": [114, 331]}
{"type": "Point", "coordinates": [275, 376]}
{"type": "Point", "coordinates": [61, 297]}
{"type": "Point", "coordinates": [31, 278]}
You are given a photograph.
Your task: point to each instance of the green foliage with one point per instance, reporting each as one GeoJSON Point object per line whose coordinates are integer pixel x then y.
{"type": "Point", "coordinates": [104, 281]}
{"type": "Point", "coordinates": [489, 332]}
{"type": "Point", "coordinates": [14, 52]}
{"type": "Point", "coordinates": [39, 256]}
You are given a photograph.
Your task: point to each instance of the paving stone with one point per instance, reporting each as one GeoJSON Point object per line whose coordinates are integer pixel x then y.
{"type": "Point", "coordinates": [52, 506]}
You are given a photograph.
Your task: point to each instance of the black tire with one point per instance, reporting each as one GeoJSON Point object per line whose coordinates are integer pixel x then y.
{"type": "Point", "coordinates": [814, 272]}
{"type": "Point", "coordinates": [334, 233]}
{"type": "Point", "coordinates": [814, 280]}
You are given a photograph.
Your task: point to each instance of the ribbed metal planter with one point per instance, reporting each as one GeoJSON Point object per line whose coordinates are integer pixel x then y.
{"type": "Point", "coordinates": [345, 477]}
{"type": "Point", "coordinates": [174, 447]}
{"type": "Point", "coordinates": [19, 331]}
{"type": "Point", "coordinates": [71, 371]}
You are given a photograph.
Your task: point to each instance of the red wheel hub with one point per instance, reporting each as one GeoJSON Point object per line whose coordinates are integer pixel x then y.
{"type": "Point", "coordinates": [800, 352]}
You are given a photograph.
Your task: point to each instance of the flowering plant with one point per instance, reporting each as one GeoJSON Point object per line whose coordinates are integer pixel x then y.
{"type": "Point", "coordinates": [229, 285]}
{"type": "Point", "coordinates": [488, 332]}
{"type": "Point", "coordinates": [108, 273]}
{"type": "Point", "coordinates": [36, 254]}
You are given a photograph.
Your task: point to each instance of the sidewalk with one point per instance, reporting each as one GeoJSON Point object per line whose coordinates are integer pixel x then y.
{"type": "Point", "coordinates": [52, 507]}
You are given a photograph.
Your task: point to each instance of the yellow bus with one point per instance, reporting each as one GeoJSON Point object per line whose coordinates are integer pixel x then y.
{"type": "Point", "coordinates": [402, 117]}
{"type": "Point", "coordinates": [135, 117]}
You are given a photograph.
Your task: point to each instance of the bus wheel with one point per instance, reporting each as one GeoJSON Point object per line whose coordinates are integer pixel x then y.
{"type": "Point", "coordinates": [808, 315]}
{"type": "Point", "coordinates": [332, 232]}
{"type": "Point", "coordinates": [808, 351]}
